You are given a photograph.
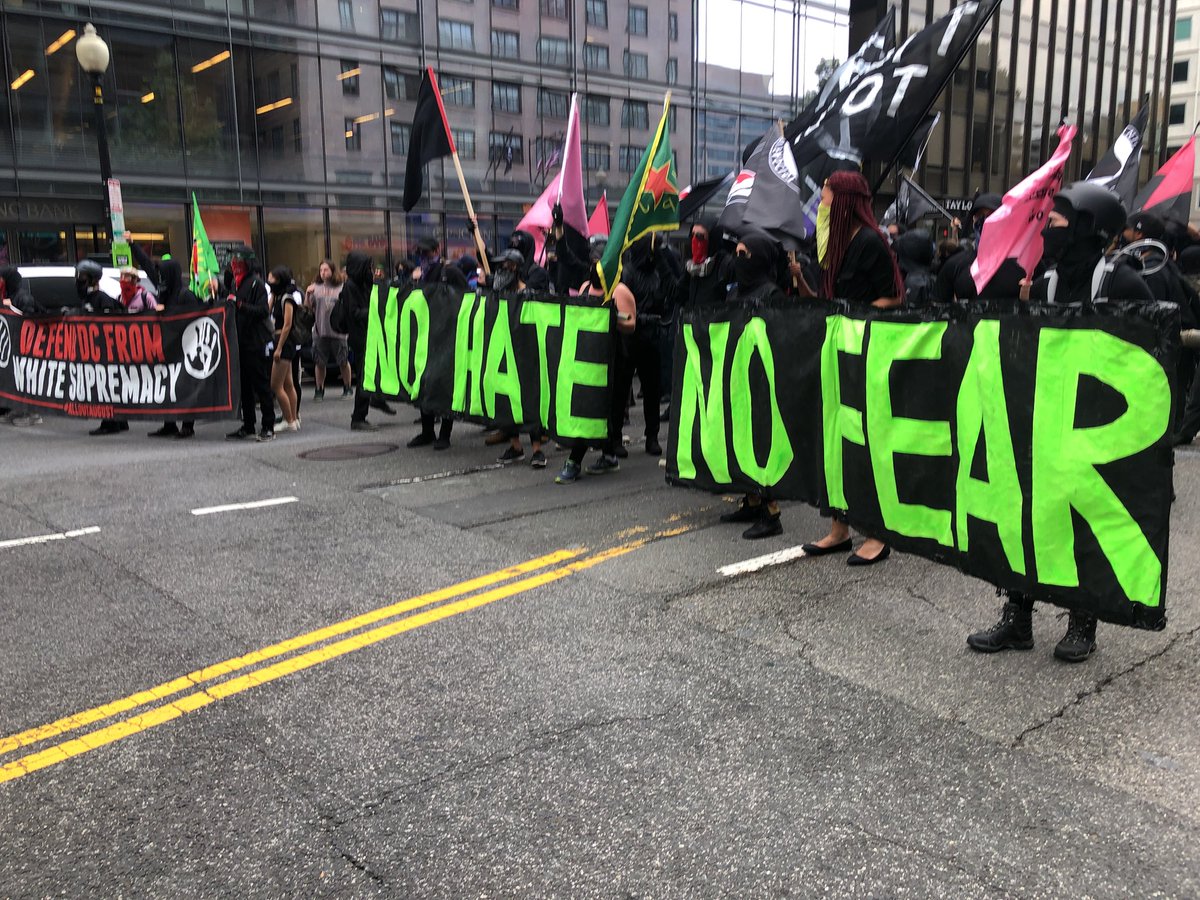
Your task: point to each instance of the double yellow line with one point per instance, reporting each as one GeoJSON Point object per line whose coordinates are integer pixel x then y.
{"type": "Point", "coordinates": [498, 586]}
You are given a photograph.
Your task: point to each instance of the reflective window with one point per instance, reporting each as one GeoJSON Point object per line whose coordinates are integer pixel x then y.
{"type": "Point", "coordinates": [506, 148]}
{"type": "Point", "coordinates": [294, 238]}
{"type": "Point", "coordinates": [400, 134]}
{"type": "Point", "coordinates": [1179, 71]}
{"type": "Point", "coordinates": [553, 51]}
{"type": "Point", "coordinates": [506, 44]}
{"type": "Point", "coordinates": [636, 65]}
{"type": "Point", "coordinates": [638, 20]}
{"type": "Point", "coordinates": [506, 97]}
{"type": "Point", "coordinates": [456, 35]}
{"type": "Point", "coordinates": [464, 142]}
{"type": "Point", "coordinates": [553, 104]}
{"type": "Point", "coordinates": [596, 110]}
{"type": "Point", "coordinates": [597, 13]}
{"type": "Point", "coordinates": [630, 156]}
{"type": "Point", "coordinates": [596, 157]}
{"type": "Point", "coordinates": [399, 25]}
{"type": "Point", "coordinates": [672, 71]}
{"type": "Point", "coordinates": [1183, 28]}
{"type": "Point", "coordinates": [635, 114]}
{"type": "Point", "coordinates": [349, 77]}
{"type": "Point", "coordinates": [1177, 114]}
{"type": "Point", "coordinates": [457, 91]}
{"type": "Point", "coordinates": [553, 9]}
{"type": "Point", "coordinates": [673, 26]}
{"type": "Point", "coordinates": [595, 57]}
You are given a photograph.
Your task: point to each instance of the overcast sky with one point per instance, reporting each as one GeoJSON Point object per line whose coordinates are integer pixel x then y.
{"type": "Point", "coordinates": [756, 36]}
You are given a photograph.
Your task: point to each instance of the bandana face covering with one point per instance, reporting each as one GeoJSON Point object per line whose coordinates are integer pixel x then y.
{"type": "Point", "coordinates": [128, 289]}
{"type": "Point", "coordinates": [238, 267]}
{"type": "Point", "coordinates": [699, 249]}
{"type": "Point", "coordinates": [823, 213]}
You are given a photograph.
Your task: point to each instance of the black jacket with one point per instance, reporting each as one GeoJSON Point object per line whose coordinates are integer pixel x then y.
{"type": "Point", "coordinates": [354, 304]}
{"type": "Point", "coordinates": [253, 314]}
{"type": "Point", "coordinates": [16, 290]}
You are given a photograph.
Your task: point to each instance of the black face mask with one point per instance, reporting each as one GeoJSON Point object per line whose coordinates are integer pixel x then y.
{"type": "Point", "coordinates": [749, 271]}
{"type": "Point", "coordinates": [505, 279]}
{"type": "Point", "coordinates": [1055, 243]}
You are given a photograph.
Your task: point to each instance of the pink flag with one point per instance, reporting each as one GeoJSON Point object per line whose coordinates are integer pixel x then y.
{"type": "Point", "coordinates": [566, 190]}
{"type": "Point", "coordinates": [599, 223]}
{"type": "Point", "coordinates": [1014, 231]}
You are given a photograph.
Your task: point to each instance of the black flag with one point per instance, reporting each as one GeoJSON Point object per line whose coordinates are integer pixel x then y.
{"type": "Point", "coordinates": [430, 138]}
{"type": "Point", "coordinates": [776, 204]}
{"type": "Point", "coordinates": [914, 150]}
{"type": "Point", "coordinates": [694, 197]}
{"type": "Point", "coordinates": [873, 110]}
{"type": "Point", "coordinates": [1118, 170]}
{"type": "Point", "coordinates": [911, 205]}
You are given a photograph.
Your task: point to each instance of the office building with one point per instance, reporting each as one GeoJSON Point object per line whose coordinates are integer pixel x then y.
{"type": "Point", "coordinates": [289, 119]}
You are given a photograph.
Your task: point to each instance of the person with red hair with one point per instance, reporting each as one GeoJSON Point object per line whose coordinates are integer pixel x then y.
{"type": "Point", "coordinates": [858, 266]}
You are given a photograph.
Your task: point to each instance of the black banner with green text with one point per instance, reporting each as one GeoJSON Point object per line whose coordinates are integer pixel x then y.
{"type": "Point", "coordinates": [1029, 446]}
{"type": "Point", "coordinates": [538, 359]}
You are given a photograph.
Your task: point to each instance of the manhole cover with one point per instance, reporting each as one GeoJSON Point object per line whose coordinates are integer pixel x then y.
{"type": "Point", "coordinates": [348, 451]}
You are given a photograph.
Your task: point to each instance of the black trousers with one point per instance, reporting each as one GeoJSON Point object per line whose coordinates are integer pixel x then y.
{"type": "Point", "coordinates": [362, 400]}
{"type": "Point", "coordinates": [645, 358]}
{"type": "Point", "coordinates": [256, 388]}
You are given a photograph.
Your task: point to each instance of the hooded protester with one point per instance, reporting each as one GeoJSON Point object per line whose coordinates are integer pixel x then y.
{"type": "Point", "coordinates": [568, 259]}
{"type": "Point", "coordinates": [469, 266]}
{"type": "Point", "coordinates": [87, 287]}
{"type": "Point", "coordinates": [535, 277]}
{"type": "Point", "coordinates": [350, 316]}
{"type": "Point", "coordinates": [858, 266]}
{"type": "Point", "coordinates": [709, 269]}
{"type": "Point", "coordinates": [954, 279]}
{"type": "Point", "coordinates": [14, 292]}
{"type": "Point", "coordinates": [914, 256]}
{"type": "Point", "coordinates": [429, 261]}
{"type": "Point", "coordinates": [403, 275]}
{"type": "Point", "coordinates": [248, 291]}
{"type": "Point", "coordinates": [15, 296]}
{"type": "Point", "coordinates": [756, 272]}
{"type": "Point", "coordinates": [174, 296]}
{"type": "Point", "coordinates": [1083, 222]}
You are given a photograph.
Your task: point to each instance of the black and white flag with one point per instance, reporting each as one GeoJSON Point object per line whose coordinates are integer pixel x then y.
{"type": "Point", "coordinates": [776, 204]}
{"type": "Point", "coordinates": [1117, 171]}
{"type": "Point", "coordinates": [912, 204]}
{"type": "Point", "coordinates": [872, 109]}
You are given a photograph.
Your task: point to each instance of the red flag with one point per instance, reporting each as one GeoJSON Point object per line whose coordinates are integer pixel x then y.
{"type": "Point", "coordinates": [1014, 231]}
{"type": "Point", "coordinates": [1168, 194]}
{"type": "Point", "coordinates": [599, 222]}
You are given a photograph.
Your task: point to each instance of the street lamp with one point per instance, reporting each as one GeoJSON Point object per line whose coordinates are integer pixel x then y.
{"type": "Point", "coordinates": [93, 56]}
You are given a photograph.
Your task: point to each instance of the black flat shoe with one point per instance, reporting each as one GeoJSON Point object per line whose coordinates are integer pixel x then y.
{"type": "Point", "coordinates": [818, 550]}
{"type": "Point", "coordinates": [856, 560]}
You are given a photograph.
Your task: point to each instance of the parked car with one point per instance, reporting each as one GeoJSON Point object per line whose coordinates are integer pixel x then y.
{"type": "Point", "coordinates": [53, 287]}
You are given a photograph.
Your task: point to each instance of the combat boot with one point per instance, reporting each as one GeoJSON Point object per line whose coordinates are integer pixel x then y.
{"type": "Point", "coordinates": [1080, 640]}
{"type": "Point", "coordinates": [1014, 631]}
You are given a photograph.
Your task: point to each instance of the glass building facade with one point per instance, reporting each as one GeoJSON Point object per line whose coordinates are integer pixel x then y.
{"type": "Point", "coordinates": [1091, 62]}
{"type": "Point", "coordinates": [289, 119]}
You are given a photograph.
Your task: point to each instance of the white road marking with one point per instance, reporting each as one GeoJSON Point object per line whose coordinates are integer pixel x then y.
{"type": "Point", "coordinates": [761, 562]}
{"type": "Point", "coordinates": [47, 538]}
{"type": "Point", "coordinates": [256, 504]}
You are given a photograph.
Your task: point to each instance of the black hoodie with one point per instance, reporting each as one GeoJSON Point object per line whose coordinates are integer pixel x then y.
{"type": "Point", "coordinates": [16, 290]}
{"type": "Point", "coordinates": [355, 299]}
{"type": "Point", "coordinates": [171, 292]}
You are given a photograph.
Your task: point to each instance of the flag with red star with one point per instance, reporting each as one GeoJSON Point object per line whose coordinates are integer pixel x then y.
{"type": "Point", "coordinates": [651, 203]}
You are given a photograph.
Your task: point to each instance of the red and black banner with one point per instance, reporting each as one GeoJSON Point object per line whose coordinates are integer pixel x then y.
{"type": "Point", "coordinates": [181, 365]}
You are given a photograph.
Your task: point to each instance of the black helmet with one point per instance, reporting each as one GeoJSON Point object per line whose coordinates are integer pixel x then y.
{"type": "Point", "coordinates": [986, 201]}
{"type": "Point", "coordinates": [1099, 211]}
{"type": "Point", "coordinates": [91, 269]}
{"type": "Point", "coordinates": [516, 257]}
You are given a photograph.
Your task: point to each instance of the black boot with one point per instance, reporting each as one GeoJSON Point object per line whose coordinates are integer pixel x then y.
{"type": "Point", "coordinates": [1014, 631]}
{"type": "Point", "coordinates": [1080, 640]}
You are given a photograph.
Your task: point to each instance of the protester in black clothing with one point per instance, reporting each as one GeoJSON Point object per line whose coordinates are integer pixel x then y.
{"type": "Point", "coordinates": [285, 300]}
{"type": "Point", "coordinates": [649, 276]}
{"type": "Point", "coordinates": [954, 281]}
{"type": "Point", "coordinates": [248, 291]}
{"type": "Point", "coordinates": [914, 255]}
{"type": "Point", "coordinates": [350, 316]}
{"type": "Point", "coordinates": [858, 266]}
{"type": "Point", "coordinates": [14, 292]}
{"type": "Point", "coordinates": [567, 255]}
{"type": "Point", "coordinates": [174, 297]}
{"type": "Point", "coordinates": [432, 272]}
{"type": "Point", "coordinates": [755, 268]}
{"type": "Point", "coordinates": [1084, 220]}
{"type": "Point", "coordinates": [706, 275]}
{"type": "Point", "coordinates": [535, 277]}
{"type": "Point", "coordinates": [94, 300]}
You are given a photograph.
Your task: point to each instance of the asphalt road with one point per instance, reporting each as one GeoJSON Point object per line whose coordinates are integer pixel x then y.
{"type": "Point", "coordinates": [612, 717]}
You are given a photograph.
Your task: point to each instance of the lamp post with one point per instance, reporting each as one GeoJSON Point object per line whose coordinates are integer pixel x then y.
{"type": "Point", "coordinates": [93, 56]}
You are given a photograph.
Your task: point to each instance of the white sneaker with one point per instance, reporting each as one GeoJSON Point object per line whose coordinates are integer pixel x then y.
{"type": "Point", "coordinates": [295, 426]}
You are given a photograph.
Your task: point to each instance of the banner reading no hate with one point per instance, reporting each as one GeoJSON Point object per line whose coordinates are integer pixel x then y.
{"type": "Point", "coordinates": [1029, 446]}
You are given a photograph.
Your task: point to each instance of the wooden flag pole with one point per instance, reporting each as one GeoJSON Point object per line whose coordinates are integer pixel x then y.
{"type": "Point", "coordinates": [462, 183]}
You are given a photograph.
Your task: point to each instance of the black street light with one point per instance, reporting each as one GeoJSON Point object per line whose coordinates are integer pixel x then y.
{"type": "Point", "coordinates": [93, 56]}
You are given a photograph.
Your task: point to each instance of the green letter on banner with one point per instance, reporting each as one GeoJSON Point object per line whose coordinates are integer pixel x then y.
{"type": "Point", "coordinates": [572, 371]}
{"type": "Point", "coordinates": [780, 455]}
{"type": "Point", "coordinates": [542, 316]}
{"type": "Point", "coordinates": [888, 435]}
{"type": "Point", "coordinates": [1065, 457]}
{"type": "Point", "coordinates": [414, 340]}
{"type": "Point", "coordinates": [508, 381]}
{"type": "Point", "coordinates": [840, 422]}
{"type": "Point", "coordinates": [381, 346]}
{"type": "Point", "coordinates": [468, 356]}
{"type": "Point", "coordinates": [711, 408]}
{"type": "Point", "coordinates": [983, 410]}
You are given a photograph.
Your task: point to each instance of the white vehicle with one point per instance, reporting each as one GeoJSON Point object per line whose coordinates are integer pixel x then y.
{"type": "Point", "coordinates": [53, 287]}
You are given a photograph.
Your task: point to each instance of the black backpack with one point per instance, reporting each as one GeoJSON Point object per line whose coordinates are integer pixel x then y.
{"type": "Point", "coordinates": [303, 319]}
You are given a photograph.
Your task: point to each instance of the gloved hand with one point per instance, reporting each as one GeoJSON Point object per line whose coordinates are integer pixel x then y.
{"type": "Point", "coordinates": [471, 226]}
{"type": "Point", "coordinates": [557, 213]}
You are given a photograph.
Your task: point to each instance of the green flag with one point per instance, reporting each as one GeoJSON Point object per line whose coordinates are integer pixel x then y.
{"type": "Point", "coordinates": [204, 259]}
{"type": "Point", "coordinates": [651, 203]}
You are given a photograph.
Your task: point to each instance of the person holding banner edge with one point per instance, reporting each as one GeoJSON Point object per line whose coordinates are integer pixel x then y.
{"type": "Point", "coordinates": [1084, 220]}
{"type": "Point", "coordinates": [858, 266]}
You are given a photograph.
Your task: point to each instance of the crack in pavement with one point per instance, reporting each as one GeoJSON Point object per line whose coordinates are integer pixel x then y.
{"type": "Point", "coordinates": [457, 771]}
{"type": "Point", "coordinates": [917, 595]}
{"type": "Point", "coordinates": [1103, 683]}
